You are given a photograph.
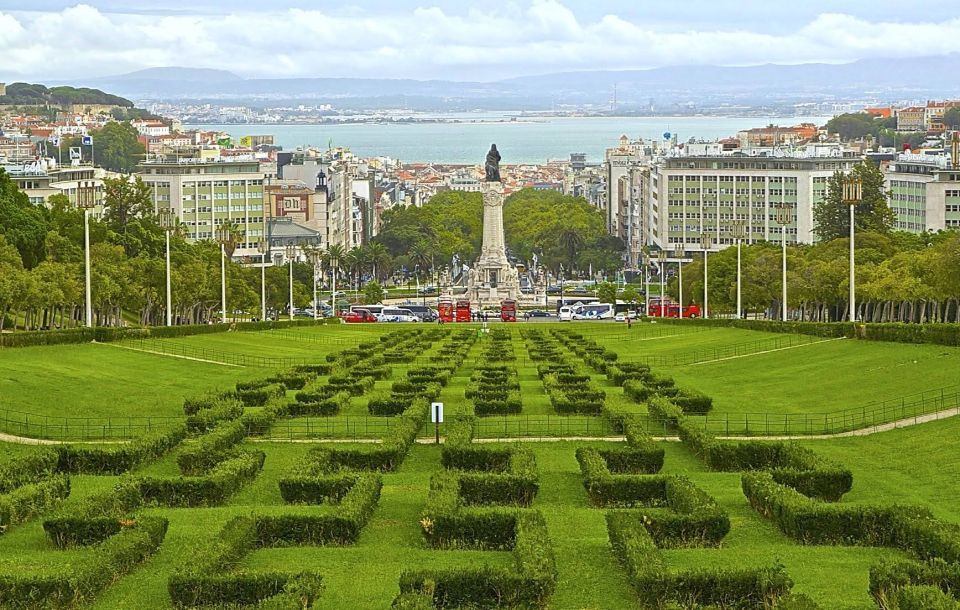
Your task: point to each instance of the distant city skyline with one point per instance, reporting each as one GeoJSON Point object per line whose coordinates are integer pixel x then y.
{"type": "Point", "coordinates": [439, 39]}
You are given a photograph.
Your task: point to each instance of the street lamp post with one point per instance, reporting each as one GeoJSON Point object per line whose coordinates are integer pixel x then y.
{"type": "Point", "coordinates": [223, 236]}
{"type": "Point", "coordinates": [646, 279]}
{"type": "Point", "coordinates": [86, 200]}
{"type": "Point", "coordinates": [739, 232]}
{"type": "Point", "coordinates": [706, 242]}
{"type": "Point", "coordinates": [168, 222]}
{"type": "Point", "coordinates": [852, 195]}
{"type": "Point", "coordinates": [662, 259]}
{"type": "Point", "coordinates": [315, 257]}
{"type": "Point", "coordinates": [291, 251]}
{"type": "Point", "coordinates": [264, 248]}
{"type": "Point", "coordinates": [783, 218]}
{"type": "Point", "coordinates": [679, 252]}
{"type": "Point", "coordinates": [334, 263]}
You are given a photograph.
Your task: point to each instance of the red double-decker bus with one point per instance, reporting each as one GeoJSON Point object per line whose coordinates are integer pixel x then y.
{"type": "Point", "coordinates": [673, 310]}
{"type": "Point", "coordinates": [508, 310]}
{"type": "Point", "coordinates": [463, 310]}
{"type": "Point", "coordinates": [445, 311]}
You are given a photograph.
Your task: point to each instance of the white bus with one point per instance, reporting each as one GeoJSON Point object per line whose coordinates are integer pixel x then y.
{"type": "Point", "coordinates": [594, 311]}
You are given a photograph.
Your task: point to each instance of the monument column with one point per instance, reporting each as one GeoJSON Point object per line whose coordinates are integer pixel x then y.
{"type": "Point", "coordinates": [494, 279]}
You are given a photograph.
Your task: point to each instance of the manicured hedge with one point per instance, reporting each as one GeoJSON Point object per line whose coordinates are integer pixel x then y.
{"type": "Point", "coordinates": [528, 584]}
{"type": "Point", "coordinates": [384, 456]}
{"type": "Point", "coordinates": [206, 577]}
{"type": "Point", "coordinates": [106, 334]}
{"type": "Point", "coordinates": [322, 408]}
{"type": "Point", "coordinates": [257, 397]}
{"type": "Point", "coordinates": [80, 581]}
{"type": "Point", "coordinates": [31, 500]}
{"type": "Point", "coordinates": [212, 489]}
{"type": "Point", "coordinates": [939, 334]}
{"type": "Point", "coordinates": [889, 579]}
{"type": "Point", "coordinates": [799, 467]}
{"type": "Point", "coordinates": [341, 526]}
{"type": "Point", "coordinates": [34, 466]}
{"type": "Point", "coordinates": [205, 420]}
{"type": "Point", "coordinates": [208, 450]}
{"type": "Point", "coordinates": [688, 517]}
{"type": "Point", "coordinates": [656, 586]}
{"type": "Point", "coordinates": [808, 521]}
{"type": "Point", "coordinates": [120, 458]}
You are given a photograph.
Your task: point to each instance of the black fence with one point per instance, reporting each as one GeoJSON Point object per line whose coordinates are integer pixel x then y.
{"type": "Point", "coordinates": [46, 427]}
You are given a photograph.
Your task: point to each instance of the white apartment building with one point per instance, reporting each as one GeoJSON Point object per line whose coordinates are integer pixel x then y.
{"type": "Point", "coordinates": [206, 193]}
{"type": "Point", "coordinates": [924, 192]}
{"type": "Point", "coordinates": [692, 195]}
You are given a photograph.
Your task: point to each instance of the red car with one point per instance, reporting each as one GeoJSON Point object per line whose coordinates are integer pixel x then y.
{"type": "Point", "coordinates": [358, 316]}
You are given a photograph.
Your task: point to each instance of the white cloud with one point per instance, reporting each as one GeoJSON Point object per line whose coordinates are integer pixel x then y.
{"type": "Point", "coordinates": [508, 40]}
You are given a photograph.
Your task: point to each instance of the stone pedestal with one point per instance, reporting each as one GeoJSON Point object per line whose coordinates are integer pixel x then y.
{"type": "Point", "coordinates": [492, 278]}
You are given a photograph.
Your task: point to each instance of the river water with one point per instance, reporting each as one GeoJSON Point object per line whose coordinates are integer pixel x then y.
{"type": "Point", "coordinates": [523, 140]}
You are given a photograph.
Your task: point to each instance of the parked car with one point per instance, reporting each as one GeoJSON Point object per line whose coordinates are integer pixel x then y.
{"type": "Point", "coordinates": [538, 313]}
{"type": "Point", "coordinates": [358, 316]}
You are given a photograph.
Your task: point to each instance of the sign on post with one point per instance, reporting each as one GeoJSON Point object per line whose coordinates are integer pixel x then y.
{"type": "Point", "coordinates": [436, 416]}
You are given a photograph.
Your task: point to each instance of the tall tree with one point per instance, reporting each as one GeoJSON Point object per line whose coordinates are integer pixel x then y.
{"type": "Point", "coordinates": [117, 147]}
{"type": "Point", "coordinates": [831, 215]}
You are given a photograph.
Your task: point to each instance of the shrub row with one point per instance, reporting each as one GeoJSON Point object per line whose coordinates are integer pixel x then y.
{"type": "Point", "coordinates": [494, 390]}
{"type": "Point", "coordinates": [811, 522]}
{"type": "Point", "coordinates": [448, 523]}
{"type": "Point", "coordinates": [691, 402]}
{"type": "Point", "coordinates": [80, 581]}
{"type": "Point", "coordinates": [117, 459]}
{"type": "Point", "coordinates": [31, 467]}
{"type": "Point", "coordinates": [656, 586]}
{"type": "Point", "coordinates": [31, 500]}
{"type": "Point", "coordinates": [206, 578]}
{"type": "Point", "coordinates": [574, 395]}
{"type": "Point", "coordinates": [355, 494]}
{"type": "Point", "coordinates": [384, 456]}
{"type": "Point", "coordinates": [212, 489]}
{"type": "Point", "coordinates": [676, 512]}
{"type": "Point", "coordinates": [211, 448]}
{"type": "Point", "coordinates": [789, 464]}
{"type": "Point", "coordinates": [541, 347]}
{"type": "Point", "coordinates": [939, 334]}
{"type": "Point", "coordinates": [893, 582]}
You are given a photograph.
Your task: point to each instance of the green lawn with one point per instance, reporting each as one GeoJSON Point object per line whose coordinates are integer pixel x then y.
{"type": "Point", "coordinates": [916, 465]}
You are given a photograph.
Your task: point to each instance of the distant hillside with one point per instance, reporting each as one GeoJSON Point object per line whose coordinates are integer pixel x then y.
{"type": "Point", "coordinates": [25, 94]}
{"type": "Point", "coordinates": [873, 78]}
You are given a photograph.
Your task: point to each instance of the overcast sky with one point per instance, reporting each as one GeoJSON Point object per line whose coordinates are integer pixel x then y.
{"type": "Point", "coordinates": [426, 39]}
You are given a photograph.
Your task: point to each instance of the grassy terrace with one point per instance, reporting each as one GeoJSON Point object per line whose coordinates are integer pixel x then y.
{"type": "Point", "coordinates": [916, 465]}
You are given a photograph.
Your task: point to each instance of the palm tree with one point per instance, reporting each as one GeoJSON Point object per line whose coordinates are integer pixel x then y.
{"type": "Point", "coordinates": [353, 261]}
{"type": "Point", "coordinates": [378, 257]}
{"type": "Point", "coordinates": [420, 255]}
{"type": "Point", "coordinates": [332, 260]}
{"type": "Point", "coordinates": [571, 241]}
{"type": "Point", "coordinates": [234, 234]}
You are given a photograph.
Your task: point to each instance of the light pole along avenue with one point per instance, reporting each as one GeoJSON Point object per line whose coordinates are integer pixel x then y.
{"type": "Point", "coordinates": [739, 233]}
{"type": "Point", "coordinates": [706, 242]}
{"type": "Point", "coordinates": [852, 195]}
{"type": "Point", "coordinates": [168, 222]}
{"type": "Point", "coordinates": [783, 217]}
{"type": "Point", "coordinates": [291, 252]}
{"type": "Point", "coordinates": [223, 236]}
{"type": "Point", "coordinates": [679, 253]}
{"type": "Point", "coordinates": [86, 200]}
{"type": "Point", "coordinates": [264, 248]}
{"type": "Point", "coordinates": [662, 259]}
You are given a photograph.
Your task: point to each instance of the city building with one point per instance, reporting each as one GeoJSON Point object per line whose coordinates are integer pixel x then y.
{"type": "Point", "coordinates": [924, 192]}
{"type": "Point", "coordinates": [912, 119]}
{"type": "Point", "coordinates": [205, 193]}
{"type": "Point", "coordinates": [692, 195]}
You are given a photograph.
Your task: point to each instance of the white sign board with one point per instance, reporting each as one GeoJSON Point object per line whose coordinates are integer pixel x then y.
{"type": "Point", "coordinates": [436, 413]}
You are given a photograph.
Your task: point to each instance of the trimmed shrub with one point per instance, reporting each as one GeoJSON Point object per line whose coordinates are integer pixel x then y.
{"type": "Point", "coordinates": [656, 586]}
{"type": "Point", "coordinates": [222, 481]}
{"type": "Point", "coordinates": [35, 466]}
{"type": "Point", "coordinates": [31, 500]}
{"type": "Point", "coordinates": [117, 459]}
{"type": "Point", "coordinates": [210, 449]}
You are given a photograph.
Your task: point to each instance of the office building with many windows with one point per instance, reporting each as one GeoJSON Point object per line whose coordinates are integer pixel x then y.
{"type": "Point", "coordinates": [924, 192]}
{"type": "Point", "coordinates": [692, 195]}
{"type": "Point", "coordinates": [206, 193]}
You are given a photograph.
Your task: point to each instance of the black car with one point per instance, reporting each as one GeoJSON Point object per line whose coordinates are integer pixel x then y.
{"type": "Point", "coordinates": [538, 313]}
